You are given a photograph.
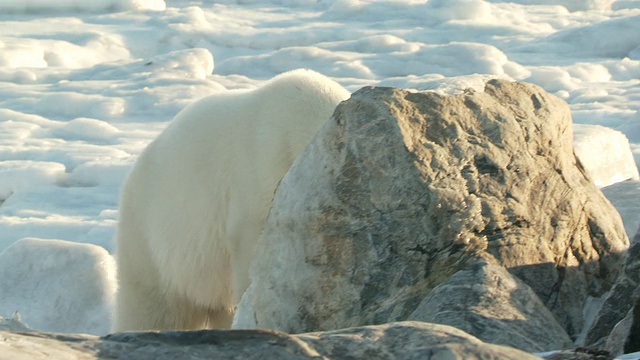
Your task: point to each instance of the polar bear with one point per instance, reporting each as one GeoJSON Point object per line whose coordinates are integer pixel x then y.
{"type": "Point", "coordinates": [194, 205]}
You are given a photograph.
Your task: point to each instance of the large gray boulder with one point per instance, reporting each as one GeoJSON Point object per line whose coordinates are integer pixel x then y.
{"type": "Point", "coordinates": [400, 190]}
{"type": "Point", "coordinates": [495, 306]}
{"type": "Point", "coordinates": [408, 340]}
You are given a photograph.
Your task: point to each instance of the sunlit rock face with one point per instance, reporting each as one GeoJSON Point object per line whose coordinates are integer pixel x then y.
{"type": "Point", "coordinates": [400, 190]}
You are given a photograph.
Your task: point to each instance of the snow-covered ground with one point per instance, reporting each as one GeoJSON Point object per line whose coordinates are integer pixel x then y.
{"type": "Point", "coordinates": [85, 85]}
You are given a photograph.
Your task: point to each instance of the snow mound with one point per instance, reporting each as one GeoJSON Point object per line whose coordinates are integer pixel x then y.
{"type": "Point", "coordinates": [571, 5]}
{"type": "Point", "coordinates": [20, 175]}
{"type": "Point", "coordinates": [57, 285]}
{"type": "Point", "coordinates": [83, 104]}
{"type": "Point", "coordinates": [605, 154]}
{"type": "Point", "coordinates": [20, 53]}
{"type": "Point", "coordinates": [459, 9]}
{"type": "Point", "coordinates": [99, 172]}
{"type": "Point", "coordinates": [38, 6]}
{"type": "Point", "coordinates": [456, 58]}
{"type": "Point", "coordinates": [86, 128]}
{"type": "Point", "coordinates": [593, 41]}
{"type": "Point", "coordinates": [190, 64]}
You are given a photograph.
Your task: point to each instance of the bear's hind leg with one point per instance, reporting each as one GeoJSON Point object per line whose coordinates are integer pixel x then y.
{"type": "Point", "coordinates": [142, 307]}
{"type": "Point", "coordinates": [220, 318]}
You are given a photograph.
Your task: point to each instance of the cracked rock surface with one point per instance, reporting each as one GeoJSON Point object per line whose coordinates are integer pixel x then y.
{"type": "Point", "coordinates": [486, 300]}
{"type": "Point", "coordinates": [402, 341]}
{"type": "Point", "coordinates": [400, 190]}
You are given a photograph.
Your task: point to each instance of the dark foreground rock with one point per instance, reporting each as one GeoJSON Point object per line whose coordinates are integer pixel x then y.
{"type": "Point", "coordinates": [406, 340]}
{"type": "Point", "coordinates": [618, 302]}
{"type": "Point", "coordinates": [625, 336]}
{"type": "Point", "coordinates": [486, 300]}
{"type": "Point", "coordinates": [401, 190]}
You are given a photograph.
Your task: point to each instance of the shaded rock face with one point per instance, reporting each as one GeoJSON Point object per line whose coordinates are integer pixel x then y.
{"type": "Point", "coordinates": [399, 190]}
{"type": "Point", "coordinates": [622, 297]}
{"type": "Point", "coordinates": [490, 303]}
{"type": "Point", "coordinates": [625, 336]}
{"type": "Point", "coordinates": [406, 340]}
{"type": "Point", "coordinates": [625, 197]}
{"type": "Point", "coordinates": [632, 342]}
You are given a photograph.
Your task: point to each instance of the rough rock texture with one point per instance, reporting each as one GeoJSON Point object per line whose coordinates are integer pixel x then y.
{"type": "Point", "coordinates": [399, 190]}
{"type": "Point", "coordinates": [408, 340]}
{"type": "Point", "coordinates": [620, 299]}
{"type": "Point", "coordinates": [625, 336]}
{"type": "Point", "coordinates": [632, 342]}
{"type": "Point", "coordinates": [488, 302]}
{"type": "Point", "coordinates": [618, 336]}
{"type": "Point", "coordinates": [580, 354]}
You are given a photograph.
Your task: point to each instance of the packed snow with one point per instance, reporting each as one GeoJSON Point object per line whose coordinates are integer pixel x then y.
{"type": "Point", "coordinates": [69, 287]}
{"type": "Point", "coordinates": [605, 154]}
{"type": "Point", "coordinates": [85, 85]}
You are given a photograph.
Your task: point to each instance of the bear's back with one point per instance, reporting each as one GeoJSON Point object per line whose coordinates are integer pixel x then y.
{"type": "Point", "coordinates": [201, 191]}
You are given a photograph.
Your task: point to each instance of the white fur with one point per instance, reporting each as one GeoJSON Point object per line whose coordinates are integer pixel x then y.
{"type": "Point", "coordinates": [194, 205]}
